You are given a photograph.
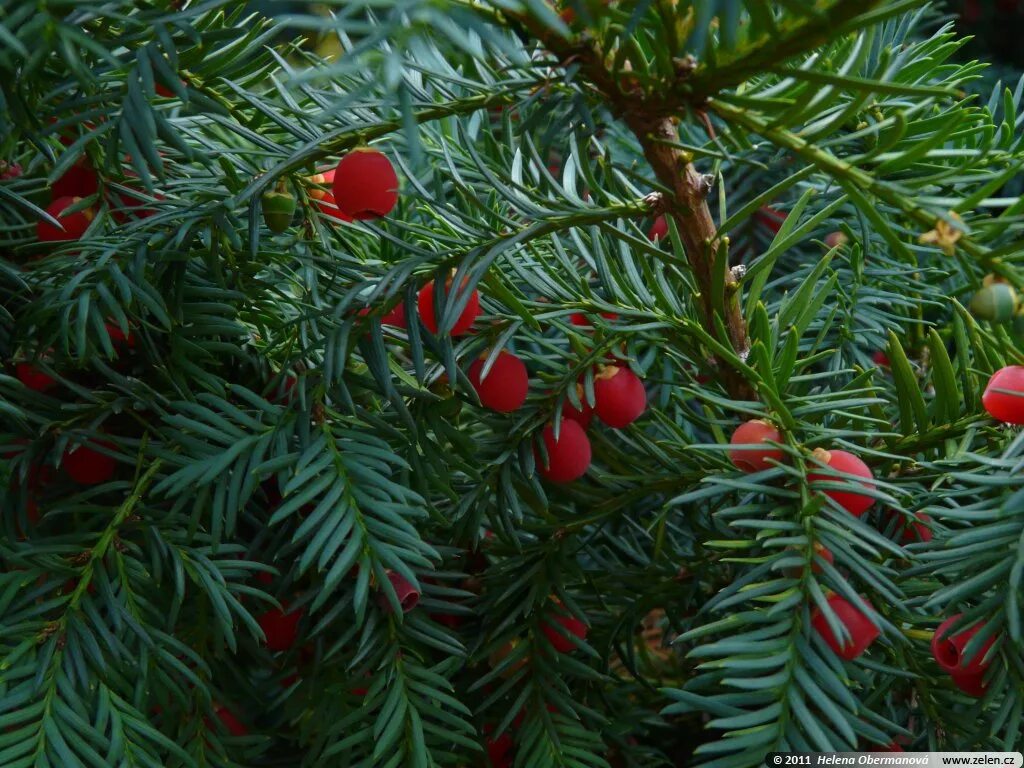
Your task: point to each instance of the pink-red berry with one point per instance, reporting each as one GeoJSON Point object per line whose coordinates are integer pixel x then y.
{"type": "Point", "coordinates": [862, 632]}
{"type": "Point", "coordinates": [73, 225]}
{"type": "Point", "coordinates": [583, 321]}
{"type": "Point", "coordinates": [280, 628]}
{"type": "Point", "coordinates": [752, 450]}
{"type": "Point", "coordinates": [619, 396]}
{"type": "Point", "coordinates": [659, 229]}
{"type": "Point", "coordinates": [917, 530]}
{"type": "Point", "coordinates": [396, 317]}
{"type": "Point", "coordinates": [406, 592]}
{"type": "Point", "coordinates": [563, 638]}
{"type": "Point", "coordinates": [582, 415]}
{"type": "Point", "coordinates": [1004, 395]}
{"type": "Point", "coordinates": [235, 726]}
{"type": "Point", "coordinates": [568, 457]}
{"type": "Point", "coordinates": [365, 184]}
{"type": "Point", "coordinates": [425, 305]}
{"type": "Point", "coordinates": [87, 466]}
{"type": "Point", "coordinates": [949, 649]}
{"type": "Point", "coordinates": [854, 502]}
{"type": "Point", "coordinates": [505, 385]}
{"type": "Point", "coordinates": [324, 199]}
{"type": "Point", "coordinates": [33, 378]}
{"type": "Point", "coordinates": [79, 180]}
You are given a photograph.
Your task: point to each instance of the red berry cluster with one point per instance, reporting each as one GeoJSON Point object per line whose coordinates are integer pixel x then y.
{"type": "Point", "coordinates": [86, 463]}
{"type": "Point", "coordinates": [397, 316]}
{"type": "Point", "coordinates": [753, 449]}
{"type": "Point", "coordinates": [619, 400]}
{"type": "Point", "coordinates": [68, 194]}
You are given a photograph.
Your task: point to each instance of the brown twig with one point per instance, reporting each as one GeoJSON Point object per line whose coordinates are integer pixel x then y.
{"type": "Point", "coordinates": [653, 123]}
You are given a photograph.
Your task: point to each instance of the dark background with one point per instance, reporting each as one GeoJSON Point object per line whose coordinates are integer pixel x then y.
{"type": "Point", "coordinates": [997, 27]}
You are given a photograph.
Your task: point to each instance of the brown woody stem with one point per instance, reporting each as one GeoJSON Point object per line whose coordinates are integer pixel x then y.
{"type": "Point", "coordinates": [699, 234]}
{"type": "Point", "coordinates": [652, 123]}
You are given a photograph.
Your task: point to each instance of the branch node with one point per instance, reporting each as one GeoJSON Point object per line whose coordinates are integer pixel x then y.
{"type": "Point", "coordinates": [706, 184]}
{"type": "Point", "coordinates": [655, 202]}
{"type": "Point", "coordinates": [685, 66]}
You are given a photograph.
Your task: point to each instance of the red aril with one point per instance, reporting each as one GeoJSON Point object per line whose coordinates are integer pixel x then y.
{"type": "Point", "coordinates": [568, 457]}
{"type": "Point", "coordinates": [845, 462]}
{"type": "Point", "coordinates": [425, 305]}
{"type": "Point", "coordinates": [752, 451]}
{"type": "Point", "coordinates": [862, 631]}
{"type": "Point", "coordinates": [73, 224]}
{"type": "Point", "coordinates": [1004, 395]}
{"type": "Point", "coordinates": [619, 396]}
{"type": "Point", "coordinates": [365, 185]}
{"type": "Point", "coordinates": [505, 386]}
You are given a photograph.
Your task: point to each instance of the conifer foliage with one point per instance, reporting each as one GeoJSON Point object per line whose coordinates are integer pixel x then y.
{"type": "Point", "coordinates": [514, 384]}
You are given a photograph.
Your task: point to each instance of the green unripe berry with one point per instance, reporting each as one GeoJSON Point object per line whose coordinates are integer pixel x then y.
{"type": "Point", "coordinates": [278, 210]}
{"type": "Point", "coordinates": [996, 302]}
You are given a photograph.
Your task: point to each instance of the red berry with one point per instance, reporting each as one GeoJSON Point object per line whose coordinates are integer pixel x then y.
{"type": "Point", "coordinates": [500, 749]}
{"type": "Point", "coordinates": [862, 631]}
{"type": "Point", "coordinates": [425, 305]}
{"type": "Point", "coordinates": [324, 199]}
{"type": "Point", "coordinates": [365, 184]}
{"type": "Point", "coordinates": [280, 628]}
{"type": "Point", "coordinates": [843, 461]}
{"type": "Point", "coordinates": [78, 181]}
{"type": "Point", "coordinates": [562, 639]}
{"type": "Point", "coordinates": [892, 746]}
{"type": "Point", "coordinates": [836, 239]}
{"type": "Point", "coordinates": [88, 466]}
{"type": "Point", "coordinates": [74, 224]}
{"type": "Point", "coordinates": [33, 378]}
{"type": "Point", "coordinates": [619, 396]}
{"type": "Point", "coordinates": [755, 433]}
{"type": "Point", "coordinates": [133, 204]}
{"type": "Point", "coordinates": [396, 316]}
{"type": "Point", "coordinates": [880, 359]}
{"type": "Point", "coordinates": [233, 724]}
{"type": "Point", "coordinates": [282, 389]}
{"type": "Point", "coordinates": [569, 456]}
{"type": "Point", "coordinates": [504, 387]}
{"type": "Point", "coordinates": [823, 552]}
{"type": "Point", "coordinates": [581, 415]}
{"type": "Point", "coordinates": [917, 530]}
{"type": "Point", "coordinates": [450, 620]}
{"type": "Point", "coordinates": [948, 650]}
{"type": "Point", "coordinates": [32, 509]}
{"type": "Point", "coordinates": [770, 218]}
{"type": "Point", "coordinates": [580, 319]}
{"type": "Point", "coordinates": [407, 594]}
{"type": "Point", "coordinates": [9, 170]}
{"type": "Point", "coordinates": [1004, 395]}
{"type": "Point", "coordinates": [118, 337]}
{"type": "Point", "coordinates": [659, 229]}
{"type": "Point", "coordinates": [971, 684]}
{"type": "Point", "coordinates": [39, 476]}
